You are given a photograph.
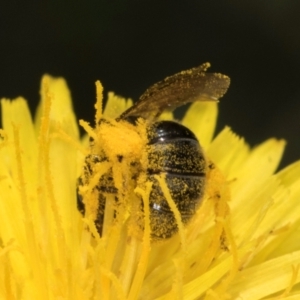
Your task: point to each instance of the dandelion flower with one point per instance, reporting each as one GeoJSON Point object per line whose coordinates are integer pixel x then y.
{"type": "Point", "coordinates": [242, 243]}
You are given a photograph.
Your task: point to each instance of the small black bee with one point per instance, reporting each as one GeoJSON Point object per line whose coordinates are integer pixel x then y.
{"type": "Point", "coordinates": [171, 150]}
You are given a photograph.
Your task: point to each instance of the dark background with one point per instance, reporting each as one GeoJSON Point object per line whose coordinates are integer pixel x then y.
{"type": "Point", "coordinates": [130, 45]}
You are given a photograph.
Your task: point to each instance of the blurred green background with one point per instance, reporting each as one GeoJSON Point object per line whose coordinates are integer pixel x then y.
{"type": "Point", "coordinates": [130, 45]}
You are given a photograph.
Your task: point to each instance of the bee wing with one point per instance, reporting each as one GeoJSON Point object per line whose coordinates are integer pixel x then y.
{"type": "Point", "coordinates": [184, 87]}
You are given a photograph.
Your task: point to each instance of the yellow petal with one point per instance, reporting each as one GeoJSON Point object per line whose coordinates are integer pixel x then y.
{"type": "Point", "coordinates": [267, 278]}
{"type": "Point", "coordinates": [116, 105]}
{"type": "Point", "coordinates": [201, 118]}
{"type": "Point", "coordinates": [228, 151]}
{"type": "Point", "coordinates": [61, 112]}
{"type": "Point", "coordinates": [16, 115]}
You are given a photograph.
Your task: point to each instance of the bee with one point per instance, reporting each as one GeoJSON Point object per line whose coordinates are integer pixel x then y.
{"type": "Point", "coordinates": [168, 149]}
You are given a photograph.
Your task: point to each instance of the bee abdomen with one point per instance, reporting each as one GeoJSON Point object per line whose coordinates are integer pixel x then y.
{"type": "Point", "coordinates": [186, 192]}
{"type": "Point", "coordinates": [174, 151]}
{"type": "Point", "coordinates": [178, 156]}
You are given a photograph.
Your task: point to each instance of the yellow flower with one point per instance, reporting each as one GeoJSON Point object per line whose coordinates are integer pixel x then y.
{"type": "Point", "coordinates": [243, 242]}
